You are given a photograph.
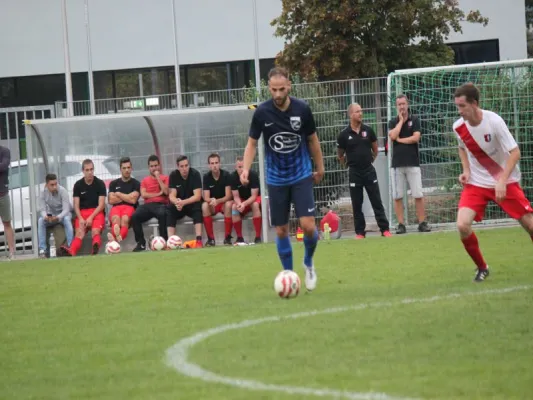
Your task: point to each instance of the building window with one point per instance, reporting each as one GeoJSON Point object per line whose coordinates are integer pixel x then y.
{"type": "Point", "coordinates": [476, 52]}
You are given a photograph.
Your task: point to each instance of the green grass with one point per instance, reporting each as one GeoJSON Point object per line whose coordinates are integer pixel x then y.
{"type": "Point", "coordinates": [98, 327]}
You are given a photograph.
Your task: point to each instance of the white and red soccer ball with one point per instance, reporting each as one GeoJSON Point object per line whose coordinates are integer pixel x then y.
{"type": "Point", "coordinates": [112, 247]}
{"type": "Point", "coordinates": [174, 242]}
{"type": "Point", "coordinates": [287, 284]}
{"type": "Point", "coordinates": [158, 243]}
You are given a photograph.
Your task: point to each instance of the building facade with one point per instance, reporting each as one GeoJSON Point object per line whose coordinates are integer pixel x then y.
{"type": "Point", "coordinates": [132, 38]}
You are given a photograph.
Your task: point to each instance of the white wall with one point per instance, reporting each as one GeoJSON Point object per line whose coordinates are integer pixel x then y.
{"type": "Point", "coordinates": [138, 33]}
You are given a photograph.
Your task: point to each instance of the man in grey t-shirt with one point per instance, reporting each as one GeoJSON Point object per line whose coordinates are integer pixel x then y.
{"type": "Point", "coordinates": [5, 200]}
{"type": "Point", "coordinates": [54, 209]}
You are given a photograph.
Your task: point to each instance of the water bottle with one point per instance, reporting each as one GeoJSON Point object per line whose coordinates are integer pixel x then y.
{"type": "Point", "coordinates": [52, 246]}
{"type": "Point", "coordinates": [326, 231]}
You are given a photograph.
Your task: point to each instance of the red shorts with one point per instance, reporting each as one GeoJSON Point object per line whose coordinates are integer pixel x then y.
{"type": "Point", "coordinates": [247, 209]}
{"type": "Point", "coordinates": [515, 204]}
{"type": "Point", "coordinates": [98, 220]}
{"type": "Point", "coordinates": [219, 209]}
{"type": "Point", "coordinates": [121, 210]}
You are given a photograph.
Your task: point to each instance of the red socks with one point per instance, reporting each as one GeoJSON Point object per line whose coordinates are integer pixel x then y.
{"type": "Point", "coordinates": [238, 228]}
{"type": "Point", "coordinates": [228, 225]}
{"type": "Point", "coordinates": [208, 223]}
{"type": "Point", "coordinates": [472, 248]}
{"type": "Point", "coordinates": [257, 225]}
{"type": "Point", "coordinates": [97, 239]}
{"type": "Point", "coordinates": [75, 246]}
{"type": "Point", "coordinates": [123, 232]}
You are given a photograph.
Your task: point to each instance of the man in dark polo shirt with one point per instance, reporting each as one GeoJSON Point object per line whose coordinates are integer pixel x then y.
{"type": "Point", "coordinates": [357, 146]}
{"type": "Point", "coordinates": [246, 198]}
{"type": "Point", "coordinates": [89, 204]}
{"type": "Point", "coordinates": [217, 199]}
{"type": "Point", "coordinates": [123, 195]}
{"type": "Point", "coordinates": [404, 131]}
{"type": "Point", "coordinates": [185, 196]}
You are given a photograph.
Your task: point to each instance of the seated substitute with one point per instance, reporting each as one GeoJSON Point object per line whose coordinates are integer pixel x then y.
{"type": "Point", "coordinates": [185, 186]}
{"type": "Point", "coordinates": [123, 195]}
{"type": "Point", "coordinates": [89, 206]}
{"type": "Point", "coordinates": [217, 199]}
{"type": "Point", "coordinates": [246, 198]}
{"type": "Point", "coordinates": [154, 191]}
{"type": "Point", "coordinates": [55, 209]}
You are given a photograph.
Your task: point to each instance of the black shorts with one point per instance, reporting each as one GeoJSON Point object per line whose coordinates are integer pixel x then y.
{"type": "Point", "coordinates": [193, 211]}
{"type": "Point", "coordinates": [281, 197]}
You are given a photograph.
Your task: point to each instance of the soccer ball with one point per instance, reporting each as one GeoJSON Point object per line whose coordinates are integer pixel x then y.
{"type": "Point", "coordinates": [112, 247]}
{"type": "Point", "coordinates": [158, 243]}
{"type": "Point", "coordinates": [287, 284]}
{"type": "Point", "coordinates": [174, 242]}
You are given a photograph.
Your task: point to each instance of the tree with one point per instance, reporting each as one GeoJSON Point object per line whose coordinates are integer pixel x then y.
{"type": "Point", "coordinates": [340, 39]}
{"type": "Point", "coordinates": [529, 14]}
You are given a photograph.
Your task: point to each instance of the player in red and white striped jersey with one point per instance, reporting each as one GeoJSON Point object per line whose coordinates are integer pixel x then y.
{"type": "Point", "coordinates": [489, 155]}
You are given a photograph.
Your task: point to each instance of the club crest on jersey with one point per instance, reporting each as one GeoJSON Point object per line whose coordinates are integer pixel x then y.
{"type": "Point", "coordinates": [284, 142]}
{"type": "Point", "coordinates": [363, 134]}
{"type": "Point", "coordinates": [296, 123]}
{"type": "Point", "coordinates": [488, 137]}
{"type": "Point", "coordinates": [410, 124]}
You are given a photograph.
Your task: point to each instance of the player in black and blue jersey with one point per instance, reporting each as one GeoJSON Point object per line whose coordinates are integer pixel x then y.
{"type": "Point", "coordinates": [289, 132]}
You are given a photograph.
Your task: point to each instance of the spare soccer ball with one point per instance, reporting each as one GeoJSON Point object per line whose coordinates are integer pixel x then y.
{"type": "Point", "coordinates": [287, 284]}
{"type": "Point", "coordinates": [158, 243]}
{"type": "Point", "coordinates": [112, 247]}
{"type": "Point", "coordinates": [174, 242]}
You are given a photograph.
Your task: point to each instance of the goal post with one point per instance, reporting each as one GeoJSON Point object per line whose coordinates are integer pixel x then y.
{"type": "Point", "coordinates": [506, 88]}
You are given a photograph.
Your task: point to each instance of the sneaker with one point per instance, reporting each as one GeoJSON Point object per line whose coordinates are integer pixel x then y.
{"type": "Point", "coordinates": [10, 257]}
{"type": "Point", "coordinates": [257, 240]}
{"type": "Point", "coordinates": [210, 243]}
{"type": "Point", "coordinates": [424, 227]}
{"type": "Point", "coordinates": [240, 240]}
{"type": "Point", "coordinates": [110, 237]}
{"type": "Point", "coordinates": [140, 247]}
{"type": "Point", "coordinates": [42, 254]}
{"type": "Point", "coordinates": [386, 234]}
{"type": "Point", "coordinates": [199, 244]}
{"type": "Point", "coordinates": [227, 240]}
{"type": "Point", "coordinates": [96, 248]}
{"type": "Point", "coordinates": [359, 236]}
{"type": "Point", "coordinates": [310, 277]}
{"type": "Point", "coordinates": [401, 229]}
{"type": "Point", "coordinates": [116, 231]}
{"type": "Point", "coordinates": [481, 274]}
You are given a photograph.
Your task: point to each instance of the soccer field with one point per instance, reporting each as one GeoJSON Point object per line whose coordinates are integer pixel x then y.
{"type": "Point", "coordinates": [391, 318]}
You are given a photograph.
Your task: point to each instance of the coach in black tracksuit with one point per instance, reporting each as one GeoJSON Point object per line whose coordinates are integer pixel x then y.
{"type": "Point", "coordinates": [357, 146]}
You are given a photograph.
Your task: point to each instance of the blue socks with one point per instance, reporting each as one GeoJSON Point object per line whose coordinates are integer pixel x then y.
{"type": "Point", "coordinates": [285, 252]}
{"type": "Point", "coordinates": [310, 247]}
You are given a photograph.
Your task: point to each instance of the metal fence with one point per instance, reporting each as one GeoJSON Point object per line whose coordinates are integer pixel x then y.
{"type": "Point", "coordinates": [13, 137]}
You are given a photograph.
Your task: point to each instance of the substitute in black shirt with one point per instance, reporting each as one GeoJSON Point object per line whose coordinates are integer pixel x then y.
{"type": "Point", "coordinates": [357, 146]}
{"type": "Point", "coordinates": [217, 199]}
{"type": "Point", "coordinates": [89, 204]}
{"type": "Point", "coordinates": [246, 198]}
{"type": "Point", "coordinates": [185, 196]}
{"type": "Point", "coordinates": [123, 195]}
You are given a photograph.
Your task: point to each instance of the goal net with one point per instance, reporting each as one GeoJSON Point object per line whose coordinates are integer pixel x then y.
{"type": "Point", "coordinates": [506, 88]}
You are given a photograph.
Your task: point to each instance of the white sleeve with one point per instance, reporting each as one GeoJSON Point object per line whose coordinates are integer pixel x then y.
{"type": "Point", "coordinates": [459, 140]}
{"type": "Point", "coordinates": [504, 136]}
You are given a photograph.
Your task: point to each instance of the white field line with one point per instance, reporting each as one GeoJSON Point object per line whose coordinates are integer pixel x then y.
{"type": "Point", "coordinates": [177, 355]}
